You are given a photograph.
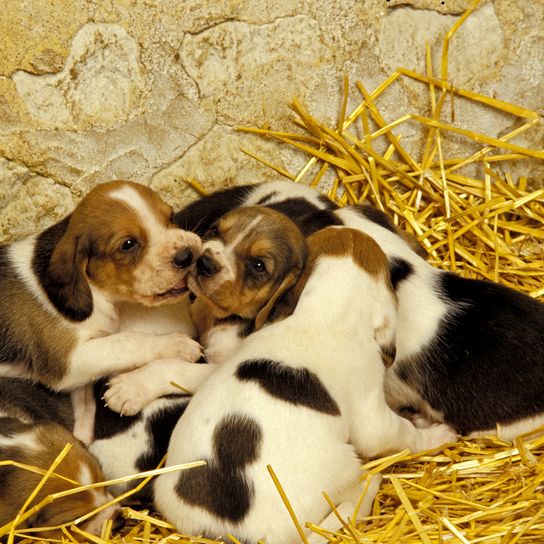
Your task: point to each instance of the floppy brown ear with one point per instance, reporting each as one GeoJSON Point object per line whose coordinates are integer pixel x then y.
{"type": "Point", "coordinates": [67, 284]}
{"type": "Point", "coordinates": [288, 282]}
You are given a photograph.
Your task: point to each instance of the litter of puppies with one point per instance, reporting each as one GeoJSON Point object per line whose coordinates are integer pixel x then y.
{"type": "Point", "coordinates": [481, 490]}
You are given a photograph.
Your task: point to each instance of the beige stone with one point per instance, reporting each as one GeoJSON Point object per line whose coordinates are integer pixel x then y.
{"type": "Point", "coordinates": [153, 91]}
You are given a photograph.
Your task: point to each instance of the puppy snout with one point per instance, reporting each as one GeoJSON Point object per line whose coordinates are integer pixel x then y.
{"type": "Point", "coordinates": [183, 258]}
{"type": "Point", "coordinates": [205, 266]}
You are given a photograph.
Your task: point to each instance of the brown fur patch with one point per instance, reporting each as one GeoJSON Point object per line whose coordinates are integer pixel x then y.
{"type": "Point", "coordinates": [352, 243]}
{"type": "Point", "coordinates": [18, 484]}
{"type": "Point", "coordinates": [338, 242]}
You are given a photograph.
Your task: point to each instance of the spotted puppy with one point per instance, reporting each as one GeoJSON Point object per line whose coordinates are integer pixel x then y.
{"type": "Point", "coordinates": [469, 352]}
{"type": "Point", "coordinates": [251, 258]}
{"type": "Point", "coordinates": [304, 395]}
{"type": "Point", "coordinates": [33, 431]}
{"type": "Point", "coordinates": [73, 297]}
{"type": "Point", "coordinates": [131, 444]}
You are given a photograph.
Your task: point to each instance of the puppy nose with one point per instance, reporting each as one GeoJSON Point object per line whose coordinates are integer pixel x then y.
{"type": "Point", "coordinates": [183, 258]}
{"type": "Point", "coordinates": [205, 266]}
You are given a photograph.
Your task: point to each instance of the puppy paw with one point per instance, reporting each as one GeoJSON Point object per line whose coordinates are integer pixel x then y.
{"type": "Point", "coordinates": [128, 393]}
{"type": "Point", "coordinates": [179, 345]}
{"type": "Point", "coordinates": [436, 435]}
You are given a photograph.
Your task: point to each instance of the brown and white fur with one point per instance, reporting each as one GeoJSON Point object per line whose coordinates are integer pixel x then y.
{"type": "Point", "coordinates": [469, 352]}
{"type": "Point", "coordinates": [34, 426]}
{"type": "Point", "coordinates": [303, 395]}
{"type": "Point", "coordinates": [73, 297]}
{"type": "Point", "coordinates": [250, 260]}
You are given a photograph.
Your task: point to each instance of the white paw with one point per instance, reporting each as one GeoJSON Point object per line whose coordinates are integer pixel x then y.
{"type": "Point", "coordinates": [437, 435]}
{"type": "Point", "coordinates": [127, 394]}
{"type": "Point", "coordinates": [179, 345]}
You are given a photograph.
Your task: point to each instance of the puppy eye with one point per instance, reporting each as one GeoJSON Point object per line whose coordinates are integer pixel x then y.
{"type": "Point", "coordinates": [257, 265]}
{"type": "Point", "coordinates": [128, 244]}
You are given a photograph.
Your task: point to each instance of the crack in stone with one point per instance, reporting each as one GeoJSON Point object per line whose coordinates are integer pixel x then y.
{"type": "Point", "coordinates": [249, 23]}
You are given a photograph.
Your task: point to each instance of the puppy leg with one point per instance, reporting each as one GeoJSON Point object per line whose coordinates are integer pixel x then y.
{"type": "Point", "coordinates": [376, 429]}
{"type": "Point", "coordinates": [346, 509]}
{"type": "Point", "coordinates": [123, 351]}
{"type": "Point", "coordinates": [130, 392]}
{"type": "Point", "coordinates": [84, 407]}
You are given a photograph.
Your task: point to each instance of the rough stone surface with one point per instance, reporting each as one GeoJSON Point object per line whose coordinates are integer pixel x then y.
{"type": "Point", "coordinates": [153, 91]}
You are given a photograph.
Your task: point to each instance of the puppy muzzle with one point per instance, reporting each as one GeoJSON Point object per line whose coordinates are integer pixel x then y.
{"type": "Point", "coordinates": [206, 266]}
{"type": "Point", "coordinates": [183, 258]}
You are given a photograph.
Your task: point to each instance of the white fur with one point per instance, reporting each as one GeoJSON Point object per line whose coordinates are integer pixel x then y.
{"type": "Point", "coordinates": [331, 333]}
{"type": "Point", "coordinates": [512, 430]}
{"type": "Point", "coordinates": [20, 254]}
{"type": "Point", "coordinates": [284, 190]}
{"type": "Point", "coordinates": [420, 308]}
{"type": "Point", "coordinates": [27, 441]}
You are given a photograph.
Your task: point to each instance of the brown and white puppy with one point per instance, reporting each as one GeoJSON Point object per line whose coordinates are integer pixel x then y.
{"type": "Point", "coordinates": [33, 431]}
{"type": "Point", "coordinates": [71, 297]}
{"type": "Point", "coordinates": [303, 395]}
{"type": "Point", "coordinates": [250, 260]}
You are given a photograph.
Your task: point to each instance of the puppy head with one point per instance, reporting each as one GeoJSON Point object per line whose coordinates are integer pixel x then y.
{"type": "Point", "coordinates": [121, 241]}
{"type": "Point", "coordinates": [39, 445]}
{"type": "Point", "coordinates": [378, 296]}
{"type": "Point", "coordinates": [250, 257]}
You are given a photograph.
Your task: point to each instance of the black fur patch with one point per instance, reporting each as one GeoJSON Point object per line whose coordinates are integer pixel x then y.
{"type": "Point", "coordinates": [199, 216]}
{"type": "Point", "coordinates": [399, 270]}
{"type": "Point", "coordinates": [306, 215]}
{"type": "Point", "coordinates": [328, 203]}
{"type": "Point", "coordinates": [266, 198]}
{"type": "Point", "coordinates": [160, 426]}
{"type": "Point", "coordinates": [21, 397]}
{"type": "Point", "coordinates": [221, 486]}
{"type": "Point", "coordinates": [297, 386]}
{"type": "Point", "coordinates": [245, 325]}
{"type": "Point", "coordinates": [486, 364]}
{"type": "Point", "coordinates": [108, 423]}
{"type": "Point", "coordinates": [376, 216]}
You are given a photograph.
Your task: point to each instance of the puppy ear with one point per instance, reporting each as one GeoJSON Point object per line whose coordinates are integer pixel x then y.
{"type": "Point", "coordinates": [288, 282]}
{"type": "Point", "coordinates": [67, 284]}
{"type": "Point", "coordinates": [385, 329]}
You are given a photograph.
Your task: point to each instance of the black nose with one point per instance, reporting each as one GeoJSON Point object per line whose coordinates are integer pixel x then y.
{"type": "Point", "coordinates": [205, 266]}
{"type": "Point", "coordinates": [183, 258]}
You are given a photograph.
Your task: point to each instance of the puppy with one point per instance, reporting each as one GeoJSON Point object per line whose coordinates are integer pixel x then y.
{"type": "Point", "coordinates": [71, 297]}
{"type": "Point", "coordinates": [457, 338]}
{"type": "Point", "coordinates": [304, 395]}
{"type": "Point", "coordinates": [33, 431]}
{"type": "Point", "coordinates": [250, 260]}
{"type": "Point", "coordinates": [131, 444]}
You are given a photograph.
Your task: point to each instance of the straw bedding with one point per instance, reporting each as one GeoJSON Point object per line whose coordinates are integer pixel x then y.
{"type": "Point", "coordinates": [470, 219]}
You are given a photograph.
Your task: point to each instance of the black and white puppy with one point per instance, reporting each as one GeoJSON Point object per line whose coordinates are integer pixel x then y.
{"type": "Point", "coordinates": [469, 352]}
{"type": "Point", "coordinates": [304, 395]}
{"type": "Point", "coordinates": [127, 445]}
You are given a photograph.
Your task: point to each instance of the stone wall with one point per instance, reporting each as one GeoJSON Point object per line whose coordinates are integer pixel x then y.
{"type": "Point", "coordinates": [152, 90]}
